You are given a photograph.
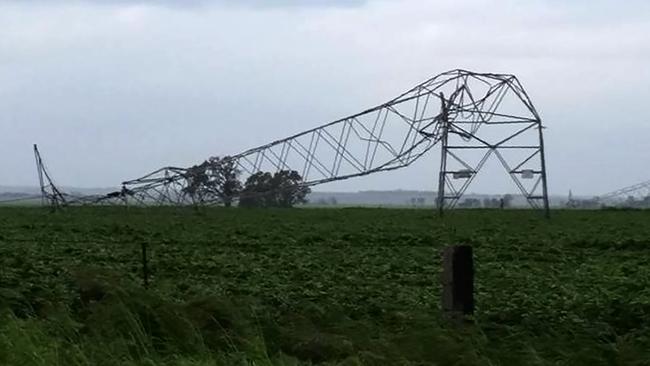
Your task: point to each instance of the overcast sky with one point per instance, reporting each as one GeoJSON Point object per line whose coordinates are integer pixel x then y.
{"type": "Point", "coordinates": [111, 90]}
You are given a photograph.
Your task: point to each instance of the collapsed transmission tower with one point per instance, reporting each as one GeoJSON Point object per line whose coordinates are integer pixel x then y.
{"type": "Point", "coordinates": [472, 115]}
{"type": "Point", "coordinates": [639, 191]}
{"type": "Point", "coordinates": [50, 194]}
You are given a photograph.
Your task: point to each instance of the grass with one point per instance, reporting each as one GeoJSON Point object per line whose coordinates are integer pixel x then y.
{"type": "Point", "coordinates": [320, 286]}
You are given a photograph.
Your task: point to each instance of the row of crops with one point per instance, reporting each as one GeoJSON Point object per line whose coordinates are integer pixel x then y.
{"type": "Point", "coordinates": [339, 285]}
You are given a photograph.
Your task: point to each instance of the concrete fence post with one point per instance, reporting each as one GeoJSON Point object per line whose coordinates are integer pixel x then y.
{"type": "Point", "coordinates": [458, 281]}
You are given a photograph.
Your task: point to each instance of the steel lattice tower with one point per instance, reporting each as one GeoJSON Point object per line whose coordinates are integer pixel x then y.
{"type": "Point", "coordinates": [465, 112]}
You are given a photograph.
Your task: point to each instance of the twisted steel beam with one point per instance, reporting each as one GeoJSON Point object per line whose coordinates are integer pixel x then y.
{"type": "Point", "coordinates": [457, 104]}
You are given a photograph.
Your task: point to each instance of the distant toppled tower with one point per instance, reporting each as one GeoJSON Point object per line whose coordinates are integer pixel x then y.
{"type": "Point", "coordinates": [50, 194]}
{"type": "Point", "coordinates": [472, 116]}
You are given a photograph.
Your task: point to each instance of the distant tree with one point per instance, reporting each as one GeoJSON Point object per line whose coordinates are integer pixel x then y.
{"type": "Point", "coordinates": [282, 189]}
{"type": "Point", "coordinates": [470, 203]}
{"type": "Point", "coordinates": [322, 202]}
{"type": "Point", "coordinates": [214, 177]}
{"type": "Point", "coordinates": [196, 179]}
{"type": "Point", "coordinates": [333, 201]}
{"type": "Point", "coordinates": [224, 179]}
{"type": "Point", "coordinates": [587, 203]}
{"type": "Point", "coordinates": [288, 188]}
{"type": "Point", "coordinates": [417, 201]}
{"type": "Point", "coordinates": [507, 200]}
{"type": "Point", "coordinates": [490, 203]}
{"type": "Point", "coordinates": [646, 202]}
{"type": "Point", "coordinates": [256, 192]}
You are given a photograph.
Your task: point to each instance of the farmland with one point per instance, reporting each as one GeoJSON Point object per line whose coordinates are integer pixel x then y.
{"type": "Point", "coordinates": [311, 286]}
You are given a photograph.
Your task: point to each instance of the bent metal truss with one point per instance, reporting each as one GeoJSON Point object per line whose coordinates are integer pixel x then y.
{"type": "Point", "coordinates": [639, 191]}
{"type": "Point", "coordinates": [472, 116]}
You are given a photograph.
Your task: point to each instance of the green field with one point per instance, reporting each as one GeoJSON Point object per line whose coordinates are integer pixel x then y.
{"type": "Point", "coordinates": [320, 286]}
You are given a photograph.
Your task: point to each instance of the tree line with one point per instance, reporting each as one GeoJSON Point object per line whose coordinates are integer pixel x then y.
{"type": "Point", "coordinates": [503, 202]}
{"type": "Point", "coordinates": [219, 177]}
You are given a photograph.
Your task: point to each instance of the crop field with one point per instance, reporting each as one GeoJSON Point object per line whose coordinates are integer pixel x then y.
{"type": "Point", "coordinates": [320, 286]}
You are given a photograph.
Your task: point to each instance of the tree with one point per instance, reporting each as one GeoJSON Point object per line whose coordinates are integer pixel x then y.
{"type": "Point", "coordinates": [507, 200]}
{"type": "Point", "coordinates": [326, 201]}
{"type": "Point", "coordinates": [283, 189]}
{"type": "Point", "coordinates": [470, 203]}
{"type": "Point", "coordinates": [197, 182]}
{"type": "Point", "coordinates": [490, 203]}
{"type": "Point", "coordinates": [214, 177]}
{"type": "Point", "coordinates": [256, 190]}
{"type": "Point", "coordinates": [224, 178]}
{"type": "Point", "coordinates": [288, 188]}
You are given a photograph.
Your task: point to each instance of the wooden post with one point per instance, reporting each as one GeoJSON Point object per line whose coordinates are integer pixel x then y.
{"type": "Point", "coordinates": [458, 281]}
{"type": "Point", "coordinates": [145, 269]}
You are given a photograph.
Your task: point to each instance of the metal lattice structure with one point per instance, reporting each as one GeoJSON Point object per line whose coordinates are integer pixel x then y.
{"type": "Point", "coordinates": [460, 110]}
{"type": "Point", "coordinates": [50, 193]}
{"type": "Point", "coordinates": [639, 191]}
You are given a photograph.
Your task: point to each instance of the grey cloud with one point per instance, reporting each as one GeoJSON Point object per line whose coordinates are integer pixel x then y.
{"type": "Point", "coordinates": [227, 3]}
{"type": "Point", "coordinates": [111, 93]}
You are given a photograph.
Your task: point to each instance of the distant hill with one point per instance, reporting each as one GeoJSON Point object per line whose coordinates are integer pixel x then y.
{"type": "Point", "coordinates": [19, 193]}
{"type": "Point", "coordinates": [405, 198]}
{"type": "Point", "coordinates": [72, 190]}
{"type": "Point", "coordinates": [381, 198]}
{"type": "Point", "coordinates": [19, 190]}
{"type": "Point", "coordinates": [402, 198]}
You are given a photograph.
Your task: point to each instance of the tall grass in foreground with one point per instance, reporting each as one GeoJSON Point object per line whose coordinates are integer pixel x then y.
{"type": "Point", "coordinates": [118, 324]}
{"type": "Point", "coordinates": [59, 342]}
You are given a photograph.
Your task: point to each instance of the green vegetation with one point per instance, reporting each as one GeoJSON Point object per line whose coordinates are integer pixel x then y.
{"type": "Point", "coordinates": [280, 189]}
{"type": "Point", "coordinates": [216, 176]}
{"type": "Point", "coordinates": [320, 286]}
{"type": "Point", "coordinates": [219, 177]}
